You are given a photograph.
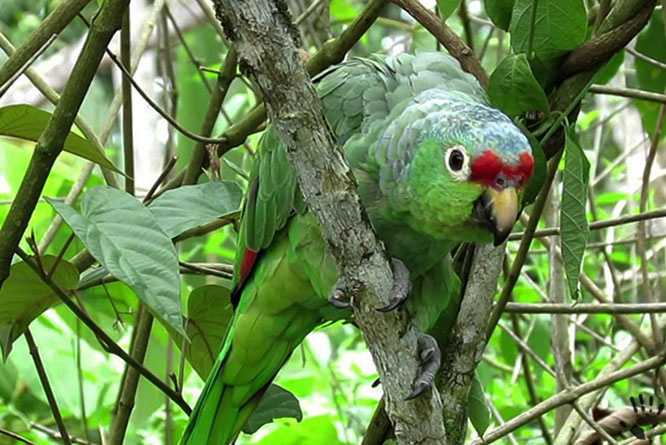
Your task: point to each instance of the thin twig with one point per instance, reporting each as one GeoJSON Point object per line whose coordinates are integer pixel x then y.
{"type": "Point", "coordinates": [30, 61]}
{"type": "Point", "coordinates": [43, 378]}
{"type": "Point", "coordinates": [186, 47]}
{"type": "Point", "coordinates": [130, 379]}
{"type": "Point", "coordinates": [55, 435]}
{"type": "Point", "coordinates": [598, 225]}
{"type": "Point", "coordinates": [628, 92]}
{"type": "Point", "coordinates": [586, 308]}
{"type": "Point", "coordinates": [106, 341]}
{"type": "Point", "coordinates": [642, 230]}
{"type": "Point", "coordinates": [525, 348]}
{"type": "Point", "coordinates": [446, 37]}
{"type": "Point", "coordinates": [526, 241]}
{"type": "Point", "coordinates": [646, 58]}
{"type": "Point", "coordinates": [569, 396]}
{"type": "Point", "coordinates": [594, 425]}
{"type": "Point", "coordinates": [128, 139]}
{"type": "Point", "coordinates": [13, 435]}
{"type": "Point", "coordinates": [80, 379]}
{"type": "Point", "coordinates": [56, 21]}
{"type": "Point", "coordinates": [160, 179]}
{"type": "Point", "coordinates": [527, 373]}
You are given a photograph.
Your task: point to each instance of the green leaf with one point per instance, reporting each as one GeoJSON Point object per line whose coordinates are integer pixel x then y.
{"type": "Point", "coordinates": [276, 403]}
{"type": "Point", "coordinates": [343, 10]}
{"type": "Point", "coordinates": [446, 7]}
{"type": "Point", "coordinates": [209, 312]}
{"type": "Point", "coordinates": [190, 206]}
{"type": "Point", "coordinates": [125, 238]}
{"type": "Point", "coordinates": [610, 68]}
{"type": "Point", "coordinates": [559, 26]}
{"type": "Point", "coordinates": [499, 12]}
{"type": "Point", "coordinates": [24, 296]}
{"type": "Point", "coordinates": [514, 89]}
{"type": "Point", "coordinates": [479, 414]}
{"type": "Point", "coordinates": [573, 220]}
{"type": "Point", "coordinates": [28, 122]}
{"type": "Point", "coordinates": [313, 430]}
{"type": "Point", "coordinates": [651, 42]}
{"type": "Point", "coordinates": [535, 183]}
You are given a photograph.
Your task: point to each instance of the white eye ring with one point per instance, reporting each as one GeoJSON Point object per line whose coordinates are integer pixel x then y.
{"type": "Point", "coordinates": [457, 162]}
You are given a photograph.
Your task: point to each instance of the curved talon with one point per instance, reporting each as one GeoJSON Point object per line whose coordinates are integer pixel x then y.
{"type": "Point", "coordinates": [417, 390]}
{"type": "Point", "coordinates": [338, 302]}
{"type": "Point", "coordinates": [401, 286]}
{"type": "Point", "coordinates": [431, 359]}
{"type": "Point", "coordinates": [393, 304]}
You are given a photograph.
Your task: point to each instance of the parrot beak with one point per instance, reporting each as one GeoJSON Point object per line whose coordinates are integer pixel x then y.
{"type": "Point", "coordinates": [498, 211]}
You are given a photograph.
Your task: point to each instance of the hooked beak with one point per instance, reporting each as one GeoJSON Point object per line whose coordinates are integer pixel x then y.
{"type": "Point", "coordinates": [498, 211]}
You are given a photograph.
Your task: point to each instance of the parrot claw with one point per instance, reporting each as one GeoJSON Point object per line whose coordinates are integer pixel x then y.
{"type": "Point", "coordinates": [336, 299]}
{"type": "Point", "coordinates": [430, 358]}
{"type": "Point", "coordinates": [401, 286]}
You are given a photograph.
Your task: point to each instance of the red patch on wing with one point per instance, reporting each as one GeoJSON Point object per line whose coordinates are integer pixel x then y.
{"type": "Point", "coordinates": [249, 260]}
{"type": "Point", "coordinates": [488, 168]}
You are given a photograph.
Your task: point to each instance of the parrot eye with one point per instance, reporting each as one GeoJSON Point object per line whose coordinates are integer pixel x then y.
{"type": "Point", "coordinates": [457, 162]}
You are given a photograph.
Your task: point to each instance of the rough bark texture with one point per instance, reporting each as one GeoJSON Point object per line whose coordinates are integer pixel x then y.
{"type": "Point", "coordinates": [263, 36]}
{"type": "Point", "coordinates": [468, 340]}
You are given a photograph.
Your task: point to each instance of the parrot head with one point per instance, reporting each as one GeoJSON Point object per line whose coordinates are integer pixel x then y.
{"type": "Point", "coordinates": [463, 168]}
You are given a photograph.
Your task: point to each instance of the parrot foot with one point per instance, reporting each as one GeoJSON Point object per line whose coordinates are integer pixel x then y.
{"type": "Point", "coordinates": [430, 358]}
{"type": "Point", "coordinates": [337, 297]}
{"type": "Point", "coordinates": [401, 286]}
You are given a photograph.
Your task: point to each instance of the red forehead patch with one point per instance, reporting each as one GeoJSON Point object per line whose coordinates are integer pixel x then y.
{"type": "Point", "coordinates": [486, 169]}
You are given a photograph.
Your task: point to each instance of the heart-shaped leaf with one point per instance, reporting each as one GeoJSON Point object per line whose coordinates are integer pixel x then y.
{"type": "Point", "coordinates": [126, 239]}
{"type": "Point", "coordinates": [192, 206]}
{"type": "Point", "coordinates": [513, 88]}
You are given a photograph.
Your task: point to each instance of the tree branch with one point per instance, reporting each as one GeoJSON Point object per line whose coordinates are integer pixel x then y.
{"type": "Point", "coordinates": [262, 34]}
{"type": "Point", "coordinates": [454, 44]}
{"type": "Point", "coordinates": [51, 141]}
{"type": "Point", "coordinates": [468, 340]}
{"type": "Point", "coordinates": [106, 341]}
{"type": "Point", "coordinates": [43, 378]}
{"type": "Point", "coordinates": [569, 396]}
{"type": "Point", "coordinates": [61, 16]}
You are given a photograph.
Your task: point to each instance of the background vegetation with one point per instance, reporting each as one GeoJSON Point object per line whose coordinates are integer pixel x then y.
{"type": "Point", "coordinates": [615, 166]}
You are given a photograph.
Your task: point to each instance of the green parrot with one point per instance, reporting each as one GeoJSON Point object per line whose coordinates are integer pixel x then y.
{"type": "Point", "coordinates": [435, 166]}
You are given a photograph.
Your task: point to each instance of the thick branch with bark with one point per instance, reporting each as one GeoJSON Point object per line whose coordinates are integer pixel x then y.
{"type": "Point", "coordinates": [468, 340]}
{"type": "Point", "coordinates": [263, 36]}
